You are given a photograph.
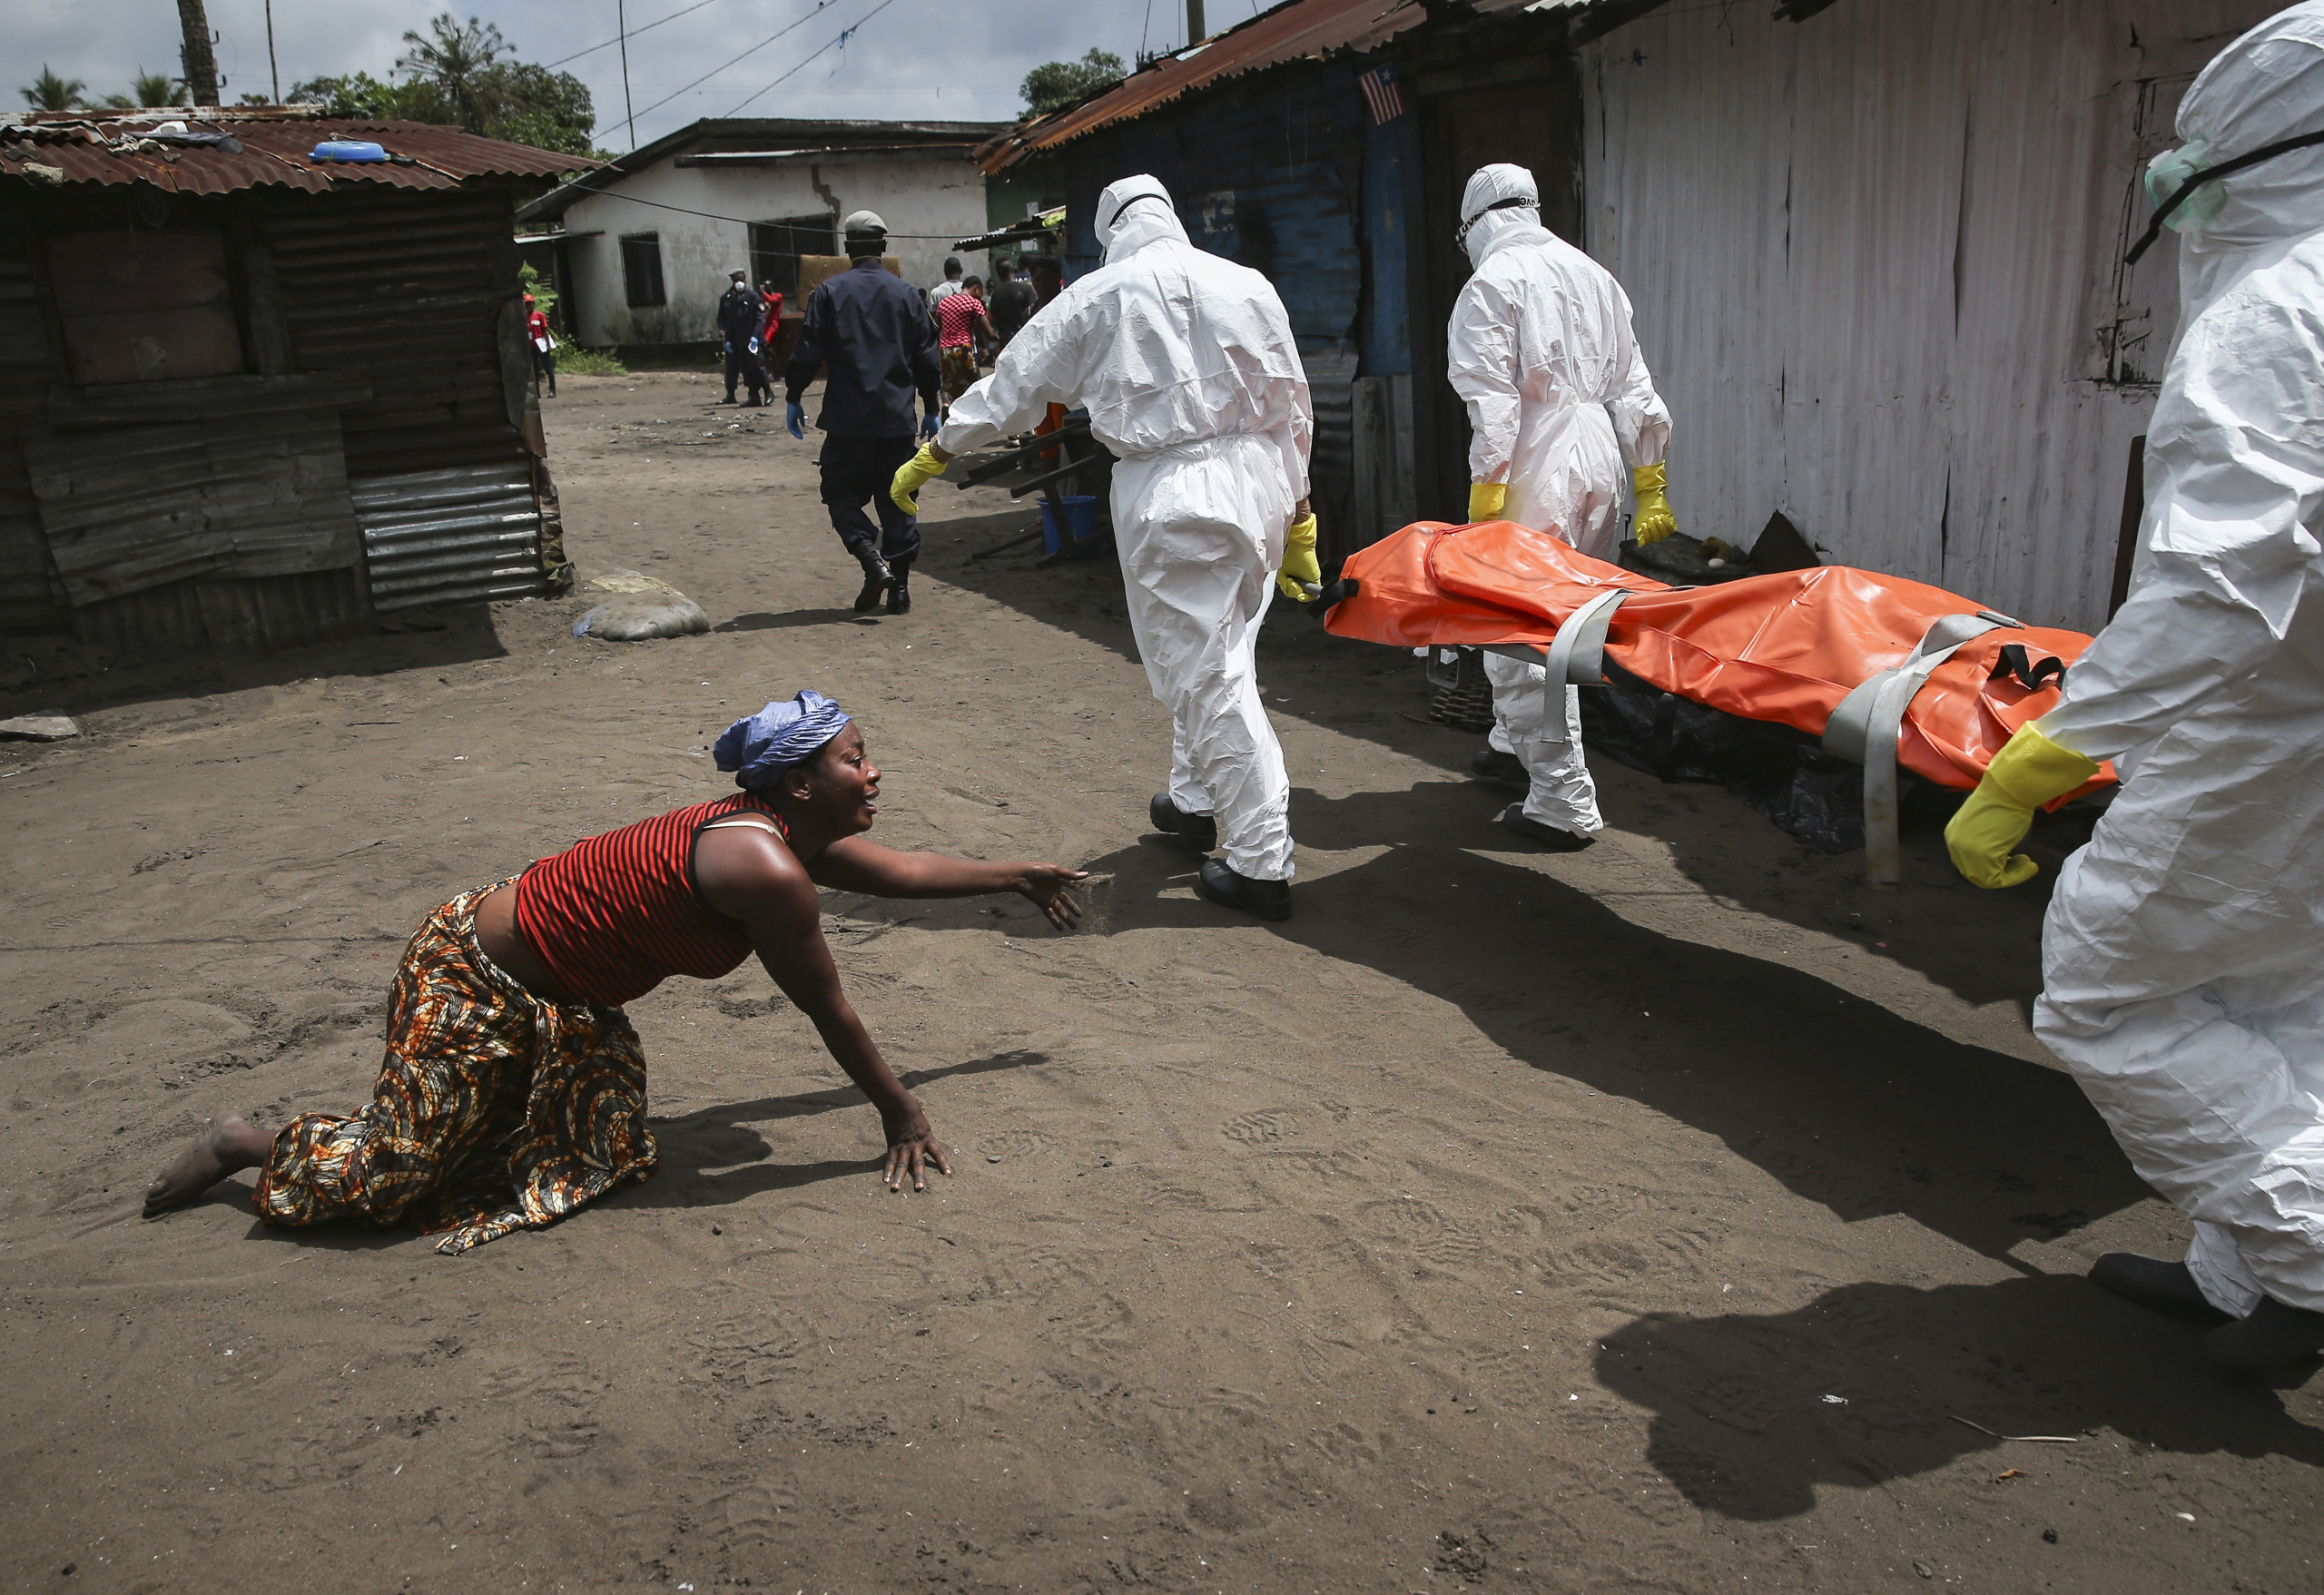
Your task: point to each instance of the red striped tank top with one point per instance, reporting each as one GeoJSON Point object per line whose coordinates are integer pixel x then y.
{"type": "Point", "coordinates": [613, 916]}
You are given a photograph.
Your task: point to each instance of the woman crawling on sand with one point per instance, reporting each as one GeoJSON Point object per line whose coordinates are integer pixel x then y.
{"type": "Point", "coordinates": [513, 1091]}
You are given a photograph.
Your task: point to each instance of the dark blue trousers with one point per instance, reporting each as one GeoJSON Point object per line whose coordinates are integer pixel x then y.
{"type": "Point", "coordinates": [858, 469]}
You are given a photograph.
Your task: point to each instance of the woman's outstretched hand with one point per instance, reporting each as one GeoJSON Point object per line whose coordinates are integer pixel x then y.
{"type": "Point", "coordinates": [912, 1148]}
{"type": "Point", "coordinates": [1044, 886]}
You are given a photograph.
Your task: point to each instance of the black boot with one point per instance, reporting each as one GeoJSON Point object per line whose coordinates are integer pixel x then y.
{"type": "Point", "coordinates": [2155, 1285]}
{"type": "Point", "coordinates": [877, 579]}
{"type": "Point", "coordinates": [1270, 899]}
{"type": "Point", "coordinates": [2273, 1335]}
{"type": "Point", "coordinates": [900, 589]}
{"type": "Point", "coordinates": [1549, 836]}
{"type": "Point", "coordinates": [1198, 831]}
{"type": "Point", "coordinates": [1490, 763]}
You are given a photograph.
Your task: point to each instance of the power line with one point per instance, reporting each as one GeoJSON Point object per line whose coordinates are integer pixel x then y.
{"type": "Point", "coordinates": [604, 193]}
{"type": "Point", "coordinates": [632, 34]}
{"type": "Point", "coordinates": [843, 36]}
{"type": "Point", "coordinates": [754, 49]}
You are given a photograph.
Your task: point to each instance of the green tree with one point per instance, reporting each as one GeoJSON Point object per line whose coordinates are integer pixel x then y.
{"type": "Point", "coordinates": [466, 74]}
{"type": "Point", "coordinates": [457, 59]}
{"type": "Point", "coordinates": [1055, 84]}
{"type": "Point", "coordinates": [148, 89]}
{"type": "Point", "coordinates": [49, 91]}
{"type": "Point", "coordinates": [359, 95]}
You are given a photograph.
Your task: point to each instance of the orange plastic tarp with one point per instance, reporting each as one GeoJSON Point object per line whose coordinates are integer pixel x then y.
{"type": "Point", "coordinates": [1785, 647]}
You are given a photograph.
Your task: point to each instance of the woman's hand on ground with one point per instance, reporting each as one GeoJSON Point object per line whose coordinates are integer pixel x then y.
{"type": "Point", "coordinates": [1044, 886]}
{"type": "Point", "coordinates": [912, 1148]}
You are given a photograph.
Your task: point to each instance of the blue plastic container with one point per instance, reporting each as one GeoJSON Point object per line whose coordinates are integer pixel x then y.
{"type": "Point", "coordinates": [1080, 524]}
{"type": "Point", "coordinates": [357, 151]}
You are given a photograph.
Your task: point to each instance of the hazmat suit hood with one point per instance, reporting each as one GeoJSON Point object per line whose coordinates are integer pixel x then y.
{"type": "Point", "coordinates": [2266, 87]}
{"type": "Point", "coordinates": [1486, 228]}
{"type": "Point", "coordinates": [1134, 212]}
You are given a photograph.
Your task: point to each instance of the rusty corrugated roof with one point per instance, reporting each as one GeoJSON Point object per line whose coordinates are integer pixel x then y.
{"type": "Point", "coordinates": [275, 150]}
{"type": "Point", "coordinates": [1303, 29]}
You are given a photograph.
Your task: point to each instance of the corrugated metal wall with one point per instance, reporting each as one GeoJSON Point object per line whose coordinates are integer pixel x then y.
{"type": "Point", "coordinates": [405, 291]}
{"type": "Point", "coordinates": [1872, 259]}
{"type": "Point", "coordinates": [30, 599]}
{"type": "Point", "coordinates": [470, 532]}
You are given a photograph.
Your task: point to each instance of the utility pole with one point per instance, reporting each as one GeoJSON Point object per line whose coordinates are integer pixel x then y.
{"type": "Point", "coordinates": [621, 27]}
{"type": "Point", "coordinates": [273, 71]}
{"type": "Point", "coordinates": [199, 61]}
{"type": "Point", "coordinates": [1195, 32]}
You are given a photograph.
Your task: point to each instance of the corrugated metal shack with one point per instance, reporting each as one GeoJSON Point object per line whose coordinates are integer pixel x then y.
{"type": "Point", "coordinates": [1876, 264]}
{"type": "Point", "coordinates": [1873, 247]}
{"type": "Point", "coordinates": [249, 399]}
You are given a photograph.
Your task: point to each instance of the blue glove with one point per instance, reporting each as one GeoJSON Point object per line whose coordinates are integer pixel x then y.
{"type": "Point", "coordinates": [794, 420]}
{"type": "Point", "coordinates": [931, 424]}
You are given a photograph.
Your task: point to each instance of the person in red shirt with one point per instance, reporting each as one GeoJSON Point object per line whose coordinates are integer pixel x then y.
{"type": "Point", "coordinates": [513, 1091]}
{"type": "Point", "coordinates": [544, 344]}
{"type": "Point", "coordinates": [959, 317]}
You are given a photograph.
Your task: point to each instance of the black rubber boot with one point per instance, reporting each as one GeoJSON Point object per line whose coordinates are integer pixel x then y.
{"type": "Point", "coordinates": [2155, 1285]}
{"type": "Point", "coordinates": [1198, 831]}
{"type": "Point", "coordinates": [2273, 1335]}
{"type": "Point", "coordinates": [1549, 836]}
{"type": "Point", "coordinates": [1270, 899]}
{"type": "Point", "coordinates": [877, 579]}
{"type": "Point", "coordinates": [900, 589]}
{"type": "Point", "coordinates": [1490, 763]}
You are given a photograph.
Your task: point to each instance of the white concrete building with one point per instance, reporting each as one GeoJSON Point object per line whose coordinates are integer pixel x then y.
{"type": "Point", "coordinates": [642, 248]}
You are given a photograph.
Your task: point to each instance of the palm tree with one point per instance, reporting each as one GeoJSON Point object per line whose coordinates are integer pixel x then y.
{"type": "Point", "coordinates": [148, 89]}
{"type": "Point", "coordinates": [49, 91]}
{"type": "Point", "coordinates": [455, 59]}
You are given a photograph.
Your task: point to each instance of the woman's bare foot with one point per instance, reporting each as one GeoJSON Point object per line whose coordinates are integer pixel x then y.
{"type": "Point", "coordinates": [226, 1143]}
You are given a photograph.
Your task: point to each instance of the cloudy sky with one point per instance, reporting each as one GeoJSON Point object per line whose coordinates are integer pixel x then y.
{"type": "Point", "coordinates": [951, 59]}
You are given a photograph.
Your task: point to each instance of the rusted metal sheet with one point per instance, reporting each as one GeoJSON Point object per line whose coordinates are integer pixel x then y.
{"type": "Point", "coordinates": [472, 532]}
{"type": "Point", "coordinates": [137, 507]}
{"type": "Point", "coordinates": [271, 152]}
{"type": "Point", "coordinates": [417, 287]}
{"type": "Point", "coordinates": [1302, 29]}
{"type": "Point", "coordinates": [250, 615]}
{"type": "Point", "coordinates": [1872, 258]}
{"type": "Point", "coordinates": [138, 306]}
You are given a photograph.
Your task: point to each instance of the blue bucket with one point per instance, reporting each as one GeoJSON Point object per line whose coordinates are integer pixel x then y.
{"type": "Point", "coordinates": [1080, 523]}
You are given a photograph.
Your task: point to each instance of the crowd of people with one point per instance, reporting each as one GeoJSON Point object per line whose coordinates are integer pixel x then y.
{"type": "Point", "coordinates": [2184, 951]}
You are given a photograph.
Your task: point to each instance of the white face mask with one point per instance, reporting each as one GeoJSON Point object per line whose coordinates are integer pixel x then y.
{"type": "Point", "coordinates": [2168, 172]}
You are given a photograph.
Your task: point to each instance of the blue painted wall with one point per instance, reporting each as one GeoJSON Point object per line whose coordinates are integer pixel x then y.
{"type": "Point", "coordinates": [1391, 206]}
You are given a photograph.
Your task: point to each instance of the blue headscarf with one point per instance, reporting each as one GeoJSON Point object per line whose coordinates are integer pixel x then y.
{"type": "Point", "coordinates": [782, 737]}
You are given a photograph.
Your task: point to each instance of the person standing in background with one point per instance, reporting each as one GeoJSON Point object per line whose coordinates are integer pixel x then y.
{"type": "Point", "coordinates": [949, 286]}
{"type": "Point", "coordinates": [738, 325]}
{"type": "Point", "coordinates": [866, 333]}
{"type": "Point", "coordinates": [1010, 303]}
{"type": "Point", "coordinates": [959, 317]}
{"type": "Point", "coordinates": [544, 344]}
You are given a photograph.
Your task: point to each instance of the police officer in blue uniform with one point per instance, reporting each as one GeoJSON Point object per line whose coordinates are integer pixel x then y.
{"type": "Point", "coordinates": [868, 334]}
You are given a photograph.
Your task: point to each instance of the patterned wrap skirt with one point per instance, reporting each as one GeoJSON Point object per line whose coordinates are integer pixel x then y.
{"type": "Point", "coordinates": [494, 1110]}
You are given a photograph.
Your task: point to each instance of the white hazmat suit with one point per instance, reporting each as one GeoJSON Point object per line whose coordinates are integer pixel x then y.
{"type": "Point", "coordinates": [1188, 369]}
{"type": "Point", "coordinates": [2183, 957]}
{"type": "Point", "coordinates": [1540, 348]}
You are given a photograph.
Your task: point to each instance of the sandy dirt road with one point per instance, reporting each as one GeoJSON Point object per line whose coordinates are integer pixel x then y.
{"type": "Point", "coordinates": [1643, 1219]}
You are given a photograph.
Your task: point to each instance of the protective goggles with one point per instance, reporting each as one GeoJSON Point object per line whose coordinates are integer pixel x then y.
{"type": "Point", "coordinates": [1515, 202]}
{"type": "Point", "coordinates": [2196, 180]}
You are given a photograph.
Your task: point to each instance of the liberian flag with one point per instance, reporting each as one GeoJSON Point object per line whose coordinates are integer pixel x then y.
{"type": "Point", "coordinates": [1381, 94]}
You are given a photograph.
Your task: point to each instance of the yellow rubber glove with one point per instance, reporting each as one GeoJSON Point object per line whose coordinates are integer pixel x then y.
{"type": "Point", "coordinates": [914, 474]}
{"type": "Point", "coordinates": [1301, 578]}
{"type": "Point", "coordinates": [1654, 521]}
{"type": "Point", "coordinates": [1485, 499]}
{"type": "Point", "coordinates": [2029, 772]}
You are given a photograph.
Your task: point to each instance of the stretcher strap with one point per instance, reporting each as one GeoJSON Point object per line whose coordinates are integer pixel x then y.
{"type": "Point", "coordinates": [1866, 727]}
{"type": "Point", "coordinates": [1576, 657]}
